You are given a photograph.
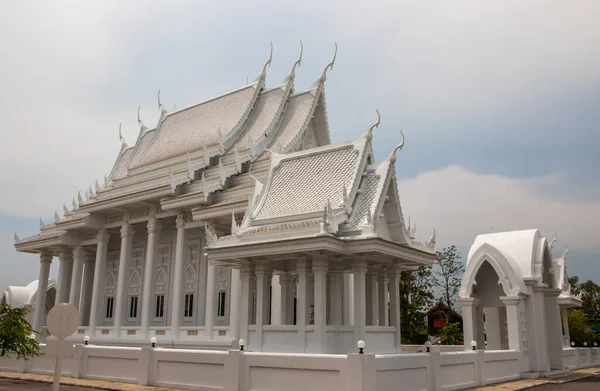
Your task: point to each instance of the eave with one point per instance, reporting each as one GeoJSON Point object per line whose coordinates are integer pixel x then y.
{"type": "Point", "coordinates": [53, 242]}
{"type": "Point", "coordinates": [128, 199]}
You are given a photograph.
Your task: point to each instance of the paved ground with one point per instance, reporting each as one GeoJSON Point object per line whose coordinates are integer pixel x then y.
{"type": "Point", "coordinates": [586, 384]}
{"type": "Point", "coordinates": [26, 385]}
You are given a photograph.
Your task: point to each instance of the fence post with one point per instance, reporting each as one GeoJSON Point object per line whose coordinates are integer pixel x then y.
{"type": "Point", "coordinates": [360, 372]}
{"type": "Point", "coordinates": [77, 362]}
{"type": "Point", "coordinates": [232, 371]}
{"type": "Point", "coordinates": [435, 370]}
{"type": "Point", "coordinates": [144, 361]}
{"type": "Point", "coordinates": [479, 367]}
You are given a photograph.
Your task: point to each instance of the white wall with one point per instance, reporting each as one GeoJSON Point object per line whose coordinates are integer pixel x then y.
{"type": "Point", "coordinates": [235, 370]}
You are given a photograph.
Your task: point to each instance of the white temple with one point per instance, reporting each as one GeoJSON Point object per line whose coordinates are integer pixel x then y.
{"type": "Point", "coordinates": [236, 218]}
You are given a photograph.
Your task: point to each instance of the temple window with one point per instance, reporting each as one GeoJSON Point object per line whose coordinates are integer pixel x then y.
{"type": "Point", "coordinates": [221, 304]}
{"type": "Point", "coordinates": [160, 306]}
{"type": "Point", "coordinates": [109, 307]}
{"type": "Point", "coordinates": [189, 305]}
{"type": "Point", "coordinates": [133, 305]}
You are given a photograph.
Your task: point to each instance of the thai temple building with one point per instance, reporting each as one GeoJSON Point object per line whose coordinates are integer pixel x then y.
{"type": "Point", "coordinates": [237, 218]}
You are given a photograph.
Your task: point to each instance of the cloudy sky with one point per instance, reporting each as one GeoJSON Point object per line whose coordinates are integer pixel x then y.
{"type": "Point", "coordinates": [499, 101]}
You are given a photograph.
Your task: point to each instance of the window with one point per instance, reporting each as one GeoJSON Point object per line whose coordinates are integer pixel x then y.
{"type": "Point", "coordinates": [221, 304]}
{"type": "Point", "coordinates": [133, 305]}
{"type": "Point", "coordinates": [188, 309]}
{"type": "Point", "coordinates": [160, 306]}
{"type": "Point", "coordinates": [109, 307]}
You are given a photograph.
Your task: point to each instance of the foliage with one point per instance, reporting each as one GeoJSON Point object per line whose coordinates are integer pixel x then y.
{"type": "Point", "coordinates": [579, 331]}
{"type": "Point", "coordinates": [448, 274]}
{"type": "Point", "coordinates": [15, 333]}
{"type": "Point", "coordinates": [416, 296]}
{"type": "Point", "coordinates": [452, 334]}
{"type": "Point", "coordinates": [574, 284]}
{"type": "Point", "coordinates": [590, 294]}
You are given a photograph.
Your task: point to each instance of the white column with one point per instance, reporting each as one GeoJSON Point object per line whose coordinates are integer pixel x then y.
{"type": "Point", "coordinates": [40, 304]}
{"type": "Point", "coordinates": [66, 261]}
{"type": "Point", "coordinates": [302, 309]}
{"type": "Point", "coordinates": [263, 282]}
{"type": "Point", "coordinates": [335, 293]}
{"type": "Point", "coordinates": [492, 329]}
{"type": "Point", "coordinates": [382, 297]}
{"type": "Point", "coordinates": [287, 297]}
{"type": "Point", "coordinates": [370, 294]}
{"type": "Point", "coordinates": [359, 269]}
{"type": "Point", "coordinates": [154, 226]}
{"type": "Point", "coordinates": [78, 257]}
{"type": "Point", "coordinates": [393, 272]}
{"type": "Point", "coordinates": [348, 299]}
{"type": "Point", "coordinates": [127, 233]}
{"type": "Point", "coordinates": [177, 278]}
{"type": "Point", "coordinates": [246, 271]}
{"type": "Point", "coordinates": [276, 303]}
{"type": "Point", "coordinates": [319, 267]}
{"type": "Point", "coordinates": [553, 328]}
{"type": "Point", "coordinates": [512, 322]}
{"type": "Point", "coordinates": [470, 324]}
{"type": "Point", "coordinates": [209, 315]}
{"type": "Point", "coordinates": [101, 249]}
{"type": "Point", "coordinates": [86, 290]}
{"type": "Point", "coordinates": [234, 305]}
{"type": "Point", "coordinates": [565, 321]}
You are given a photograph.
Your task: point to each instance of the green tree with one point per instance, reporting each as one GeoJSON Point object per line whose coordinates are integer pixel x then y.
{"type": "Point", "coordinates": [448, 274]}
{"type": "Point", "coordinates": [574, 284]}
{"type": "Point", "coordinates": [15, 333]}
{"type": "Point", "coordinates": [452, 334]}
{"type": "Point", "coordinates": [416, 297]}
{"type": "Point", "coordinates": [590, 294]}
{"type": "Point", "coordinates": [579, 330]}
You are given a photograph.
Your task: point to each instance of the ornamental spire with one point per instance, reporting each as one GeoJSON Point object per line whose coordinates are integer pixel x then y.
{"type": "Point", "coordinates": [65, 209]}
{"type": "Point", "coordinates": [121, 138]}
{"type": "Point", "coordinates": [263, 74]}
{"type": "Point", "coordinates": [375, 125]}
{"type": "Point", "coordinates": [392, 157]}
{"type": "Point", "coordinates": [298, 62]}
{"type": "Point", "coordinates": [160, 106]}
{"type": "Point", "coordinates": [17, 238]}
{"type": "Point", "coordinates": [329, 66]}
{"type": "Point", "coordinates": [565, 253]}
{"type": "Point", "coordinates": [56, 216]}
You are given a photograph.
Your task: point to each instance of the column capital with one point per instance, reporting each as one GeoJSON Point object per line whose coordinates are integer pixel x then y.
{"type": "Point", "coordinates": [320, 263]}
{"type": "Point", "coordinates": [90, 257]}
{"type": "Point", "coordinates": [247, 269]}
{"type": "Point", "coordinates": [154, 225]}
{"type": "Point", "coordinates": [127, 230]}
{"type": "Point", "coordinates": [78, 253]}
{"type": "Point", "coordinates": [102, 236]}
{"type": "Point", "coordinates": [467, 301]}
{"type": "Point", "coordinates": [302, 265]}
{"type": "Point", "coordinates": [46, 257]}
{"type": "Point", "coordinates": [510, 300]}
{"type": "Point", "coordinates": [180, 221]}
{"type": "Point", "coordinates": [262, 267]}
{"type": "Point", "coordinates": [285, 278]}
{"type": "Point", "coordinates": [393, 271]}
{"type": "Point", "coordinates": [335, 266]}
{"type": "Point", "coordinates": [359, 264]}
{"type": "Point", "coordinates": [65, 254]}
{"type": "Point", "coordinates": [381, 273]}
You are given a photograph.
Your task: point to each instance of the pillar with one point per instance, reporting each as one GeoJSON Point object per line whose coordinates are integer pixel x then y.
{"type": "Point", "coordinates": [101, 249]}
{"type": "Point", "coordinates": [66, 262]}
{"type": "Point", "coordinates": [564, 311]}
{"type": "Point", "coordinates": [382, 298]}
{"type": "Point", "coordinates": [127, 233]}
{"type": "Point", "coordinates": [209, 314]}
{"type": "Point", "coordinates": [177, 278]}
{"type": "Point", "coordinates": [302, 309]}
{"type": "Point", "coordinates": [78, 258]}
{"type": "Point", "coordinates": [513, 322]}
{"type": "Point", "coordinates": [371, 296]}
{"type": "Point", "coordinates": [234, 305]}
{"type": "Point", "coordinates": [553, 328]}
{"type": "Point", "coordinates": [348, 286]}
{"type": "Point", "coordinates": [263, 282]}
{"type": "Point", "coordinates": [154, 226]}
{"type": "Point", "coordinates": [359, 270]}
{"type": "Point", "coordinates": [86, 290]}
{"type": "Point", "coordinates": [319, 267]}
{"type": "Point", "coordinates": [247, 270]}
{"type": "Point", "coordinates": [492, 329]}
{"type": "Point", "coordinates": [393, 272]}
{"type": "Point", "coordinates": [40, 304]}
{"type": "Point", "coordinates": [470, 326]}
{"type": "Point", "coordinates": [336, 305]}
{"type": "Point", "coordinates": [287, 297]}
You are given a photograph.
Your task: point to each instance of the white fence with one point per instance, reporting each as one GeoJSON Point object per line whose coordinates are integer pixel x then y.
{"type": "Point", "coordinates": [236, 370]}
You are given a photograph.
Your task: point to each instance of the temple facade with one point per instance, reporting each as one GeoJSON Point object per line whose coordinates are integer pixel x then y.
{"type": "Point", "coordinates": [236, 218]}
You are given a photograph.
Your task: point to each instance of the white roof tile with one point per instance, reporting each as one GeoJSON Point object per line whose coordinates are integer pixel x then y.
{"type": "Point", "coordinates": [184, 131]}
{"type": "Point", "coordinates": [296, 117]}
{"type": "Point", "coordinates": [264, 113]}
{"type": "Point", "coordinates": [364, 202]}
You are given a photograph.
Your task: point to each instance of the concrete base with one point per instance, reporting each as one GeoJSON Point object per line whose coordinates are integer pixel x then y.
{"type": "Point", "coordinates": [547, 374]}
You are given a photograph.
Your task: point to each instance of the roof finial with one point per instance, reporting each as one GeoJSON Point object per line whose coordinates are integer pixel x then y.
{"type": "Point", "coordinates": [268, 63]}
{"type": "Point", "coordinates": [98, 188]}
{"type": "Point", "coordinates": [430, 243]}
{"type": "Point", "coordinates": [250, 174]}
{"type": "Point", "coordinates": [65, 209]}
{"type": "Point", "coordinates": [56, 217]}
{"type": "Point", "coordinates": [79, 198]}
{"type": "Point", "coordinates": [74, 204]}
{"type": "Point", "coordinates": [330, 65]}
{"type": "Point", "coordinates": [42, 224]}
{"type": "Point", "coordinates": [139, 120]}
{"type": "Point", "coordinates": [565, 253]}
{"type": "Point", "coordinates": [298, 62]}
{"type": "Point", "coordinates": [375, 125]}
{"type": "Point", "coordinates": [121, 138]}
{"type": "Point", "coordinates": [160, 106]}
{"type": "Point", "coordinates": [551, 244]}
{"type": "Point", "coordinates": [17, 238]}
{"type": "Point", "coordinates": [392, 157]}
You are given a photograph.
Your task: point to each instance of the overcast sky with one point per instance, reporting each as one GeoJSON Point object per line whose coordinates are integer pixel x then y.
{"type": "Point", "coordinates": [499, 101]}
